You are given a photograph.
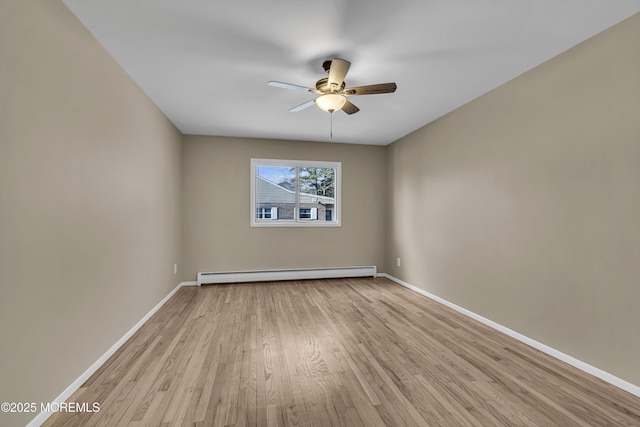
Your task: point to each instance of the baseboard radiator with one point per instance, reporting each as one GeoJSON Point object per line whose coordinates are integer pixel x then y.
{"type": "Point", "coordinates": [287, 274]}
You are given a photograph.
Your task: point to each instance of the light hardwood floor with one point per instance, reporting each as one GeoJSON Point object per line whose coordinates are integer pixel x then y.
{"type": "Point", "coordinates": [341, 352]}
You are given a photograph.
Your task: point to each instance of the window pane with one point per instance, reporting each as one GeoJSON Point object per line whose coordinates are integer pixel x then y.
{"type": "Point", "coordinates": [317, 192]}
{"type": "Point", "coordinates": [275, 193]}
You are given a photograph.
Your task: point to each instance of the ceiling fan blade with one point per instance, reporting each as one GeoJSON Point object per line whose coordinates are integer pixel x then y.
{"type": "Point", "coordinates": [290, 86]}
{"type": "Point", "coordinates": [371, 89]}
{"type": "Point", "coordinates": [338, 72]}
{"type": "Point", "coordinates": [350, 108]}
{"type": "Point", "coordinates": [302, 106]}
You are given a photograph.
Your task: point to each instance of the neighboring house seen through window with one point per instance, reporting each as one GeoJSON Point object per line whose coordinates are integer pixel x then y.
{"type": "Point", "coordinates": [294, 193]}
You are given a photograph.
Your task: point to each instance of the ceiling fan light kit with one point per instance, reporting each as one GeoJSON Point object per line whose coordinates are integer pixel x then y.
{"type": "Point", "coordinates": [331, 102]}
{"type": "Point", "coordinates": [332, 89]}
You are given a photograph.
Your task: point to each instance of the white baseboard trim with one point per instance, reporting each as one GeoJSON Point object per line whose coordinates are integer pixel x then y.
{"type": "Point", "coordinates": [42, 416]}
{"type": "Point", "coordinates": [585, 367]}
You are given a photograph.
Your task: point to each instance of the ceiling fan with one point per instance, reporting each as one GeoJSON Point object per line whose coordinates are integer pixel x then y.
{"type": "Point", "coordinates": [332, 91]}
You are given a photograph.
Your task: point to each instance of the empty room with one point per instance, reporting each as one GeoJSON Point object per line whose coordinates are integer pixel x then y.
{"type": "Point", "coordinates": [319, 213]}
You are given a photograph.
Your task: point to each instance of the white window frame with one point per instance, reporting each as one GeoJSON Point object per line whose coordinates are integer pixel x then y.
{"type": "Point", "coordinates": [297, 222]}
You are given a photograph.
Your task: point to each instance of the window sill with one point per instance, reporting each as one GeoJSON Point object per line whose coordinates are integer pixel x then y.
{"type": "Point", "coordinates": [303, 224]}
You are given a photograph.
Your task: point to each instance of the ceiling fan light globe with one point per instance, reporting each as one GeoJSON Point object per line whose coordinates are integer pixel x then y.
{"type": "Point", "coordinates": [331, 102]}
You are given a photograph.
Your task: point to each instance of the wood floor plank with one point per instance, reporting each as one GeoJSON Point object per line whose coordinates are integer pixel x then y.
{"type": "Point", "coordinates": [339, 352]}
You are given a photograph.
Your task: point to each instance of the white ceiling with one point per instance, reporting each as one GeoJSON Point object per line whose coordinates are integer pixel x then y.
{"type": "Point", "coordinates": [205, 63]}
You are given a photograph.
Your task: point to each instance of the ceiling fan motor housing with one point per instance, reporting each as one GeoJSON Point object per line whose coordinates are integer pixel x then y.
{"type": "Point", "coordinates": [323, 86]}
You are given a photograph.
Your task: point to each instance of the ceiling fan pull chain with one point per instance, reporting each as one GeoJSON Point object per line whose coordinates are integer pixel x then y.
{"type": "Point", "coordinates": [331, 127]}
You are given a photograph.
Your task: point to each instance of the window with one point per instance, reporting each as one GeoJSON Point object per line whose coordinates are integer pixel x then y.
{"type": "Point", "coordinates": [328, 214]}
{"type": "Point", "coordinates": [267, 213]}
{"type": "Point", "coordinates": [294, 193]}
{"type": "Point", "coordinates": [309, 213]}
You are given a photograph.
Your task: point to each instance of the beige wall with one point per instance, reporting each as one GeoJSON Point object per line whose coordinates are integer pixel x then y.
{"type": "Point", "coordinates": [524, 205]}
{"type": "Point", "coordinates": [217, 235]}
{"type": "Point", "coordinates": [89, 202]}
